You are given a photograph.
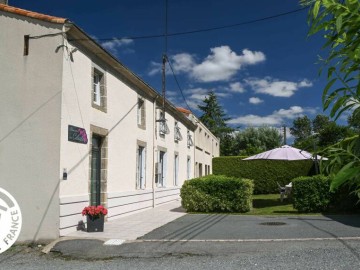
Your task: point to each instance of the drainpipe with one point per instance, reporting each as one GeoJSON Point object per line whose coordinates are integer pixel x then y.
{"type": "Point", "coordinates": [153, 151]}
{"type": "Point", "coordinates": [195, 151]}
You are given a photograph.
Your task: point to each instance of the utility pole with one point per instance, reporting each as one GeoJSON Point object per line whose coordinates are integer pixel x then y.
{"type": "Point", "coordinates": [164, 59]}
{"type": "Point", "coordinates": [163, 84]}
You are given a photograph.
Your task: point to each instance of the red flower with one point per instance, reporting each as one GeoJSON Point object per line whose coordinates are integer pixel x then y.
{"type": "Point", "coordinates": [94, 211]}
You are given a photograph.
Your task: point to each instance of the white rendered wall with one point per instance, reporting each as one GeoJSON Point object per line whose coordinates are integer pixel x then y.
{"type": "Point", "coordinates": [30, 123]}
{"type": "Point", "coordinates": [207, 146]}
{"type": "Point", "coordinates": [124, 135]}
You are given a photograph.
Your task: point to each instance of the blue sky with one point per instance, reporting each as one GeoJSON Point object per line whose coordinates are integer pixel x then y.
{"type": "Point", "coordinates": [263, 73]}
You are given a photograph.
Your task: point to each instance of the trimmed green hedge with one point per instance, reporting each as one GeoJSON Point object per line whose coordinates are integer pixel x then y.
{"type": "Point", "coordinates": [265, 173]}
{"type": "Point", "coordinates": [217, 193]}
{"type": "Point", "coordinates": [312, 194]}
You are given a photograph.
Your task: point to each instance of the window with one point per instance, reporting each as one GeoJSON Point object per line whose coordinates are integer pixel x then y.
{"type": "Point", "coordinates": [140, 168]}
{"type": "Point", "coordinates": [161, 176]}
{"type": "Point", "coordinates": [96, 87]}
{"type": "Point", "coordinates": [98, 90]}
{"type": "Point", "coordinates": [176, 170]}
{"type": "Point", "coordinates": [200, 170]}
{"type": "Point", "coordinates": [189, 139]}
{"type": "Point", "coordinates": [188, 169]}
{"type": "Point", "coordinates": [207, 169]}
{"type": "Point", "coordinates": [163, 128]}
{"type": "Point", "coordinates": [177, 134]}
{"type": "Point", "coordinates": [141, 113]}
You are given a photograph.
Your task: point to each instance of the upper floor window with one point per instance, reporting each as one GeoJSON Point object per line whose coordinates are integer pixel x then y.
{"type": "Point", "coordinates": [189, 139]}
{"type": "Point", "coordinates": [98, 90]}
{"type": "Point", "coordinates": [163, 128]}
{"type": "Point", "coordinates": [177, 133]}
{"type": "Point", "coordinates": [141, 113]}
{"type": "Point", "coordinates": [97, 95]}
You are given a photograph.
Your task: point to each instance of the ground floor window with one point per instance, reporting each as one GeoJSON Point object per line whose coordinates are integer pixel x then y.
{"type": "Point", "coordinates": [161, 170]}
{"type": "Point", "coordinates": [176, 170]}
{"type": "Point", "coordinates": [188, 169]}
{"type": "Point", "coordinates": [140, 168]}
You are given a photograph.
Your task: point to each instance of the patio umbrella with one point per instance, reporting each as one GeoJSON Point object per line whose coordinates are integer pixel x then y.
{"type": "Point", "coordinates": [285, 152]}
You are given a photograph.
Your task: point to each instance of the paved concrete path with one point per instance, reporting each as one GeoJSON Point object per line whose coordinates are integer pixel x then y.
{"type": "Point", "coordinates": [127, 228]}
{"type": "Point", "coordinates": [131, 227]}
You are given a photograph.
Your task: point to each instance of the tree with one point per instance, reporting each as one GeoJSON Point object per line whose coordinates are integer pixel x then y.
{"type": "Point", "coordinates": [214, 118]}
{"type": "Point", "coordinates": [320, 122]}
{"type": "Point", "coordinates": [252, 140]}
{"type": "Point", "coordinates": [354, 122]}
{"type": "Point", "coordinates": [320, 132]}
{"type": "Point", "coordinates": [301, 130]}
{"type": "Point", "coordinates": [339, 22]}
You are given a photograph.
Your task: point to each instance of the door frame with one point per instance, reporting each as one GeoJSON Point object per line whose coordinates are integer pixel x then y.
{"type": "Point", "coordinates": [96, 131]}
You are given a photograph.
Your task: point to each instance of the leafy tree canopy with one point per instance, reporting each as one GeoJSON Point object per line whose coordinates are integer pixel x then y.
{"type": "Point", "coordinates": [338, 21]}
{"type": "Point", "coordinates": [214, 118]}
{"type": "Point", "coordinates": [252, 140]}
{"type": "Point", "coordinates": [319, 132]}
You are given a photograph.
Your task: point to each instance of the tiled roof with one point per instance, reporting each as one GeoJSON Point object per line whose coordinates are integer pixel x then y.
{"type": "Point", "coordinates": [183, 110]}
{"type": "Point", "coordinates": [31, 14]}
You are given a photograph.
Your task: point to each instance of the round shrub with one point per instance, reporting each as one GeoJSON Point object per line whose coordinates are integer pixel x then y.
{"type": "Point", "coordinates": [311, 194]}
{"type": "Point", "coordinates": [217, 193]}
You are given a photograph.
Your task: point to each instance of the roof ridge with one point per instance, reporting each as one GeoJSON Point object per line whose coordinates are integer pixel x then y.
{"type": "Point", "coordinates": [32, 14]}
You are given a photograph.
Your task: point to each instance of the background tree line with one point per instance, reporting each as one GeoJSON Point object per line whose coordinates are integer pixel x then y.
{"type": "Point", "coordinates": [310, 135]}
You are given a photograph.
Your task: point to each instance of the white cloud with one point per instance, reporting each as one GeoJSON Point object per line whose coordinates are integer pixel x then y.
{"type": "Point", "coordinates": [182, 62]}
{"type": "Point", "coordinates": [292, 112]}
{"type": "Point", "coordinates": [255, 100]}
{"type": "Point", "coordinates": [114, 44]}
{"type": "Point", "coordinates": [276, 118]}
{"type": "Point", "coordinates": [236, 87]}
{"type": "Point", "coordinates": [221, 65]}
{"type": "Point", "coordinates": [155, 68]}
{"type": "Point", "coordinates": [196, 96]}
{"type": "Point", "coordinates": [255, 120]}
{"type": "Point", "coordinates": [275, 87]}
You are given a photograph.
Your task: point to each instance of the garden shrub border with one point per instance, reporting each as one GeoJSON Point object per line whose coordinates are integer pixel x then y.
{"type": "Point", "coordinates": [265, 173]}
{"type": "Point", "coordinates": [217, 193]}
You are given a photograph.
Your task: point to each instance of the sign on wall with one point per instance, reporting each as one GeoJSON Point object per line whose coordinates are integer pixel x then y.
{"type": "Point", "coordinates": [77, 134]}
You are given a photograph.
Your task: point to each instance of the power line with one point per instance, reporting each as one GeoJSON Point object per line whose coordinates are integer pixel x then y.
{"type": "Point", "coordinates": [177, 82]}
{"type": "Point", "coordinates": [204, 29]}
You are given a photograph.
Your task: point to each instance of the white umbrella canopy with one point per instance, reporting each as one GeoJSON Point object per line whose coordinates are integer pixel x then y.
{"type": "Point", "coordinates": [285, 152]}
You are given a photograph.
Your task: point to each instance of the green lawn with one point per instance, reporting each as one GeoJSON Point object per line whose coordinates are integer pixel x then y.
{"type": "Point", "coordinates": [270, 204]}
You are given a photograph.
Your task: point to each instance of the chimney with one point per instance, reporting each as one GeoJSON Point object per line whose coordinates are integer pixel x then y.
{"type": "Point", "coordinates": [4, 2]}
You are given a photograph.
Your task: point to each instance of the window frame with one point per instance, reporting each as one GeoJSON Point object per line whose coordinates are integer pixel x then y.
{"type": "Point", "coordinates": [176, 169]}
{"type": "Point", "coordinates": [98, 88]}
{"type": "Point", "coordinates": [177, 133]}
{"type": "Point", "coordinates": [141, 113]}
{"type": "Point", "coordinates": [141, 167]}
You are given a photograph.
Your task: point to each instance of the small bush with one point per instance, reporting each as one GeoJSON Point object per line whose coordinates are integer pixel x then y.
{"type": "Point", "coordinates": [311, 194]}
{"type": "Point", "coordinates": [344, 199]}
{"type": "Point", "coordinates": [217, 193]}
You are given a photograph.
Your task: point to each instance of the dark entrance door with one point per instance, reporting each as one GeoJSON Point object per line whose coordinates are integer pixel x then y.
{"type": "Point", "coordinates": [95, 170]}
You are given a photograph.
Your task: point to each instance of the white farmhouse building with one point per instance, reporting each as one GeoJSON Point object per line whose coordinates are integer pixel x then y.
{"type": "Point", "coordinates": [77, 127]}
